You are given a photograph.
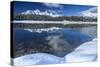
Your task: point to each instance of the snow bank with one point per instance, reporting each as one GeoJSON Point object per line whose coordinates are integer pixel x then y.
{"type": "Point", "coordinates": [85, 52]}
{"type": "Point", "coordinates": [38, 58]}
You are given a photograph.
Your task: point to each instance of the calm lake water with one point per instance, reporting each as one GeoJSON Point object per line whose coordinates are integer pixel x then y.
{"type": "Point", "coordinates": [52, 41]}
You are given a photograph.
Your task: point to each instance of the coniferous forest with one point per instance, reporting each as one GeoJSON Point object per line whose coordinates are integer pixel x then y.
{"type": "Point", "coordinates": [49, 18]}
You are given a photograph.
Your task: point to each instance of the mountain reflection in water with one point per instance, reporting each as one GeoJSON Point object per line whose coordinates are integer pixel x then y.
{"type": "Point", "coordinates": [58, 42]}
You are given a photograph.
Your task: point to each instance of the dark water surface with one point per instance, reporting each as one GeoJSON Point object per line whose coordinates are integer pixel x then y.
{"type": "Point", "coordinates": [58, 42]}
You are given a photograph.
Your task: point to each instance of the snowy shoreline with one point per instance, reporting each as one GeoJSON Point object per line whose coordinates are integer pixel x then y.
{"type": "Point", "coordinates": [85, 52]}
{"type": "Point", "coordinates": [58, 22]}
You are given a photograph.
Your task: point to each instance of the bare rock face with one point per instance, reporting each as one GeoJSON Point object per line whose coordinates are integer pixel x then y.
{"type": "Point", "coordinates": [59, 46]}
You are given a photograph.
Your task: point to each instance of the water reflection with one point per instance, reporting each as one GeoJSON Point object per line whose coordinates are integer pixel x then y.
{"type": "Point", "coordinates": [90, 30]}
{"type": "Point", "coordinates": [59, 42]}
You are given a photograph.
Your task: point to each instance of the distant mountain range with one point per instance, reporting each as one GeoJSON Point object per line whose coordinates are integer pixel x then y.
{"type": "Point", "coordinates": [38, 12]}
{"type": "Point", "coordinates": [52, 15]}
{"type": "Point", "coordinates": [87, 13]}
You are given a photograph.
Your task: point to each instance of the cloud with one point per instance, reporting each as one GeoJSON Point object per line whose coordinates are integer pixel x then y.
{"type": "Point", "coordinates": [59, 45]}
{"type": "Point", "coordinates": [92, 12]}
{"type": "Point", "coordinates": [52, 13]}
{"type": "Point", "coordinates": [53, 5]}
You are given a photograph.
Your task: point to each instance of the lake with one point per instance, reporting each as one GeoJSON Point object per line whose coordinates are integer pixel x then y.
{"type": "Point", "coordinates": [56, 41]}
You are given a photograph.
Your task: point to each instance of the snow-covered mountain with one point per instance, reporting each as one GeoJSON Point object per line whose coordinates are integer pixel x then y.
{"type": "Point", "coordinates": [92, 12]}
{"type": "Point", "coordinates": [51, 13]}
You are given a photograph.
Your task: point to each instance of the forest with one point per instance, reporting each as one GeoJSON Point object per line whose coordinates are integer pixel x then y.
{"type": "Point", "coordinates": [49, 18]}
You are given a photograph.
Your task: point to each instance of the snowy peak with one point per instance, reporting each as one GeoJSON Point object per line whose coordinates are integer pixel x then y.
{"type": "Point", "coordinates": [30, 12]}
{"type": "Point", "coordinates": [51, 13]}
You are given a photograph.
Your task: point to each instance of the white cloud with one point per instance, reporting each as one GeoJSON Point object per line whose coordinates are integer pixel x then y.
{"type": "Point", "coordinates": [53, 5]}
{"type": "Point", "coordinates": [92, 12]}
{"type": "Point", "coordinates": [52, 13]}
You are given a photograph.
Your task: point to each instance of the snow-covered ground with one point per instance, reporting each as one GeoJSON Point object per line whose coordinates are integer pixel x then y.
{"type": "Point", "coordinates": [85, 52]}
{"type": "Point", "coordinates": [58, 22]}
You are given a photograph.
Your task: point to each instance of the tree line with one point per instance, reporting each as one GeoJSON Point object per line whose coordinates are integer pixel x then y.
{"type": "Point", "coordinates": [49, 18]}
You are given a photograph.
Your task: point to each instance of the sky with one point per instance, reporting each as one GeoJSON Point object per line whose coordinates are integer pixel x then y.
{"type": "Point", "coordinates": [61, 9]}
